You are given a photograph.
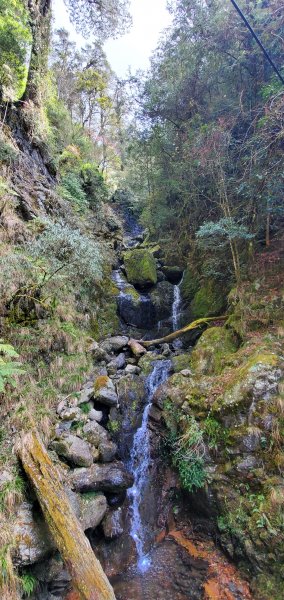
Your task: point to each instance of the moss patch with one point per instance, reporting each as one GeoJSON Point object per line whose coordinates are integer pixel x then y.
{"type": "Point", "coordinates": [208, 301]}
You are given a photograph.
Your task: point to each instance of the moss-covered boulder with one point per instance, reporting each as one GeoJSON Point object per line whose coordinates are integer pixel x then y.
{"type": "Point", "coordinates": [189, 285]}
{"type": "Point", "coordinates": [212, 351]}
{"type": "Point", "coordinates": [208, 301]}
{"type": "Point", "coordinates": [140, 266]}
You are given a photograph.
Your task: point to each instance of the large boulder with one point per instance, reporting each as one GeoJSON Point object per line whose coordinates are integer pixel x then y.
{"type": "Point", "coordinates": [115, 343]}
{"type": "Point", "coordinates": [189, 285]}
{"type": "Point", "coordinates": [140, 266]}
{"type": "Point", "coordinates": [136, 309]}
{"type": "Point", "coordinates": [209, 300]}
{"type": "Point", "coordinates": [104, 478]}
{"type": "Point", "coordinates": [162, 298]}
{"type": "Point", "coordinates": [73, 449]}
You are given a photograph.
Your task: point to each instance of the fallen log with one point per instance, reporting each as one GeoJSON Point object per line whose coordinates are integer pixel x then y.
{"type": "Point", "coordinates": [172, 336]}
{"type": "Point", "coordinates": [88, 577]}
{"type": "Point", "coordinates": [136, 348]}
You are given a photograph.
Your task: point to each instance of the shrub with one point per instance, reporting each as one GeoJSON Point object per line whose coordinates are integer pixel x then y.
{"type": "Point", "coordinates": [9, 368]}
{"type": "Point", "coordinates": [71, 189]}
{"type": "Point", "coordinates": [188, 456]}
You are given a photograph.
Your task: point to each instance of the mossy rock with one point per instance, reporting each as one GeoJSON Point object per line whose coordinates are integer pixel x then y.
{"type": "Point", "coordinates": [208, 301]}
{"type": "Point", "coordinates": [212, 351]}
{"type": "Point", "coordinates": [140, 267]}
{"type": "Point", "coordinates": [181, 362]}
{"type": "Point", "coordinates": [189, 285]}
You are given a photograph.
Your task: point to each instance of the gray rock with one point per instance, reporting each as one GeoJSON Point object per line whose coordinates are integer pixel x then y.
{"type": "Point", "coordinates": [95, 433]}
{"type": "Point", "coordinates": [186, 372]}
{"type": "Point", "coordinates": [105, 478]}
{"type": "Point", "coordinates": [250, 462]}
{"type": "Point", "coordinates": [107, 397]}
{"type": "Point", "coordinates": [72, 413]}
{"type": "Point", "coordinates": [95, 415]}
{"type": "Point", "coordinates": [86, 393]}
{"type": "Point", "coordinates": [73, 449]}
{"type": "Point", "coordinates": [132, 369]}
{"type": "Point", "coordinates": [113, 525]}
{"type": "Point", "coordinates": [92, 510]}
{"type": "Point", "coordinates": [114, 344]}
{"type": "Point", "coordinates": [116, 363]}
{"type": "Point", "coordinates": [33, 541]}
{"type": "Point", "coordinates": [108, 450]}
{"type": "Point", "coordinates": [98, 353]}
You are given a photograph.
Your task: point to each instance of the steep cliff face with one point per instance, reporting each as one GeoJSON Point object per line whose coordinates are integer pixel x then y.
{"type": "Point", "coordinates": [224, 415]}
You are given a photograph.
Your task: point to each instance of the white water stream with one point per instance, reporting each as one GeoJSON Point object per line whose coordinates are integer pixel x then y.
{"type": "Point", "coordinates": [140, 462]}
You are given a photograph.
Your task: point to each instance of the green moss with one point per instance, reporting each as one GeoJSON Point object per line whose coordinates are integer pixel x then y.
{"type": "Point", "coordinates": [181, 362]}
{"type": "Point", "coordinates": [140, 267]}
{"type": "Point", "coordinates": [131, 291]}
{"type": "Point", "coordinates": [212, 351]}
{"type": "Point", "coordinates": [208, 301]}
{"type": "Point", "coordinates": [189, 285]}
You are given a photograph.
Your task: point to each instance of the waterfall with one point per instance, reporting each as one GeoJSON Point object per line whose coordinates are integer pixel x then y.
{"type": "Point", "coordinates": [176, 312]}
{"type": "Point", "coordinates": [176, 306]}
{"type": "Point", "coordinates": [140, 462]}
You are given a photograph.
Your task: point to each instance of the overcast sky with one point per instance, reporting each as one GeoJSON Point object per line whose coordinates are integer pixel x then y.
{"type": "Point", "coordinates": [133, 50]}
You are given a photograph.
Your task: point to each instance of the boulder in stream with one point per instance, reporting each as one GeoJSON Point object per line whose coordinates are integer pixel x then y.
{"type": "Point", "coordinates": [140, 266]}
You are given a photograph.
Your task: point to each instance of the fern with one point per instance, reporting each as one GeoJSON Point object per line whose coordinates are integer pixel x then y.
{"type": "Point", "coordinates": [9, 368]}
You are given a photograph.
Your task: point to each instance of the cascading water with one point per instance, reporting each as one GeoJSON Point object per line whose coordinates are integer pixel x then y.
{"type": "Point", "coordinates": [176, 312]}
{"type": "Point", "coordinates": [176, 306]}
{"type": "Point", "coordinates": [140, 462]}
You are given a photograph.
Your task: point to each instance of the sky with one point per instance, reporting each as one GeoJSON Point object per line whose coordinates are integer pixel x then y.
{"type": "Point", "coordinates": [132, 50]}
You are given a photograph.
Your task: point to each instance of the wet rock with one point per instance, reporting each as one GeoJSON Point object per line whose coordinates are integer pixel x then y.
{"type": "Point", "coordinates": [162, 299]}
{"type": "Point", "coordinates": [113, 524]}
{"type": "Point", "coordinates": [54, 579]}
{"type": "Point", "coordinates": [173, 273]}
{"type": "Point", "coordinates": [114, 344]}
{"type": "Point", "coordinates": [32, 537]}
{"type": "Point", "coordinates": [92, 510]}
{"type": "Point", "coordinates": [104, 391]}
{"type": "Point", "coordinates": [73, 449]}
{"type": "Point", "coordinates": [105, 478]}
{"type": "Point", "coordinates": [136, 309]}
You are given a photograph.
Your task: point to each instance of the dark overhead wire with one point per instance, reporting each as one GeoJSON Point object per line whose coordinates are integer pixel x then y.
{"type": "Point", "coordinates": [258, 40]}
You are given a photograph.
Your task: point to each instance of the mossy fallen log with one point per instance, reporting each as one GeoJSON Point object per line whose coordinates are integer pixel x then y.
{"type": "Point", "coordinates": [88, 577]}
{"type": "Point", "coordinates": [179, 332]}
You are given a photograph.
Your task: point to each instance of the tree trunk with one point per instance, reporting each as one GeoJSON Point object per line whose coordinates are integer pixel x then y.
{"type": "Point", "coordinates": [40, 20]}
{"type": "Point", "coordinates": [179, 332]}
{"type": "Point", "coordinates": [88, 577]}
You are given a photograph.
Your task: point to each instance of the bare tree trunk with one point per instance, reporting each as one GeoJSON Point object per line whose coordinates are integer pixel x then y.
{"type": "Point", "coordinates": [88, 577]}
